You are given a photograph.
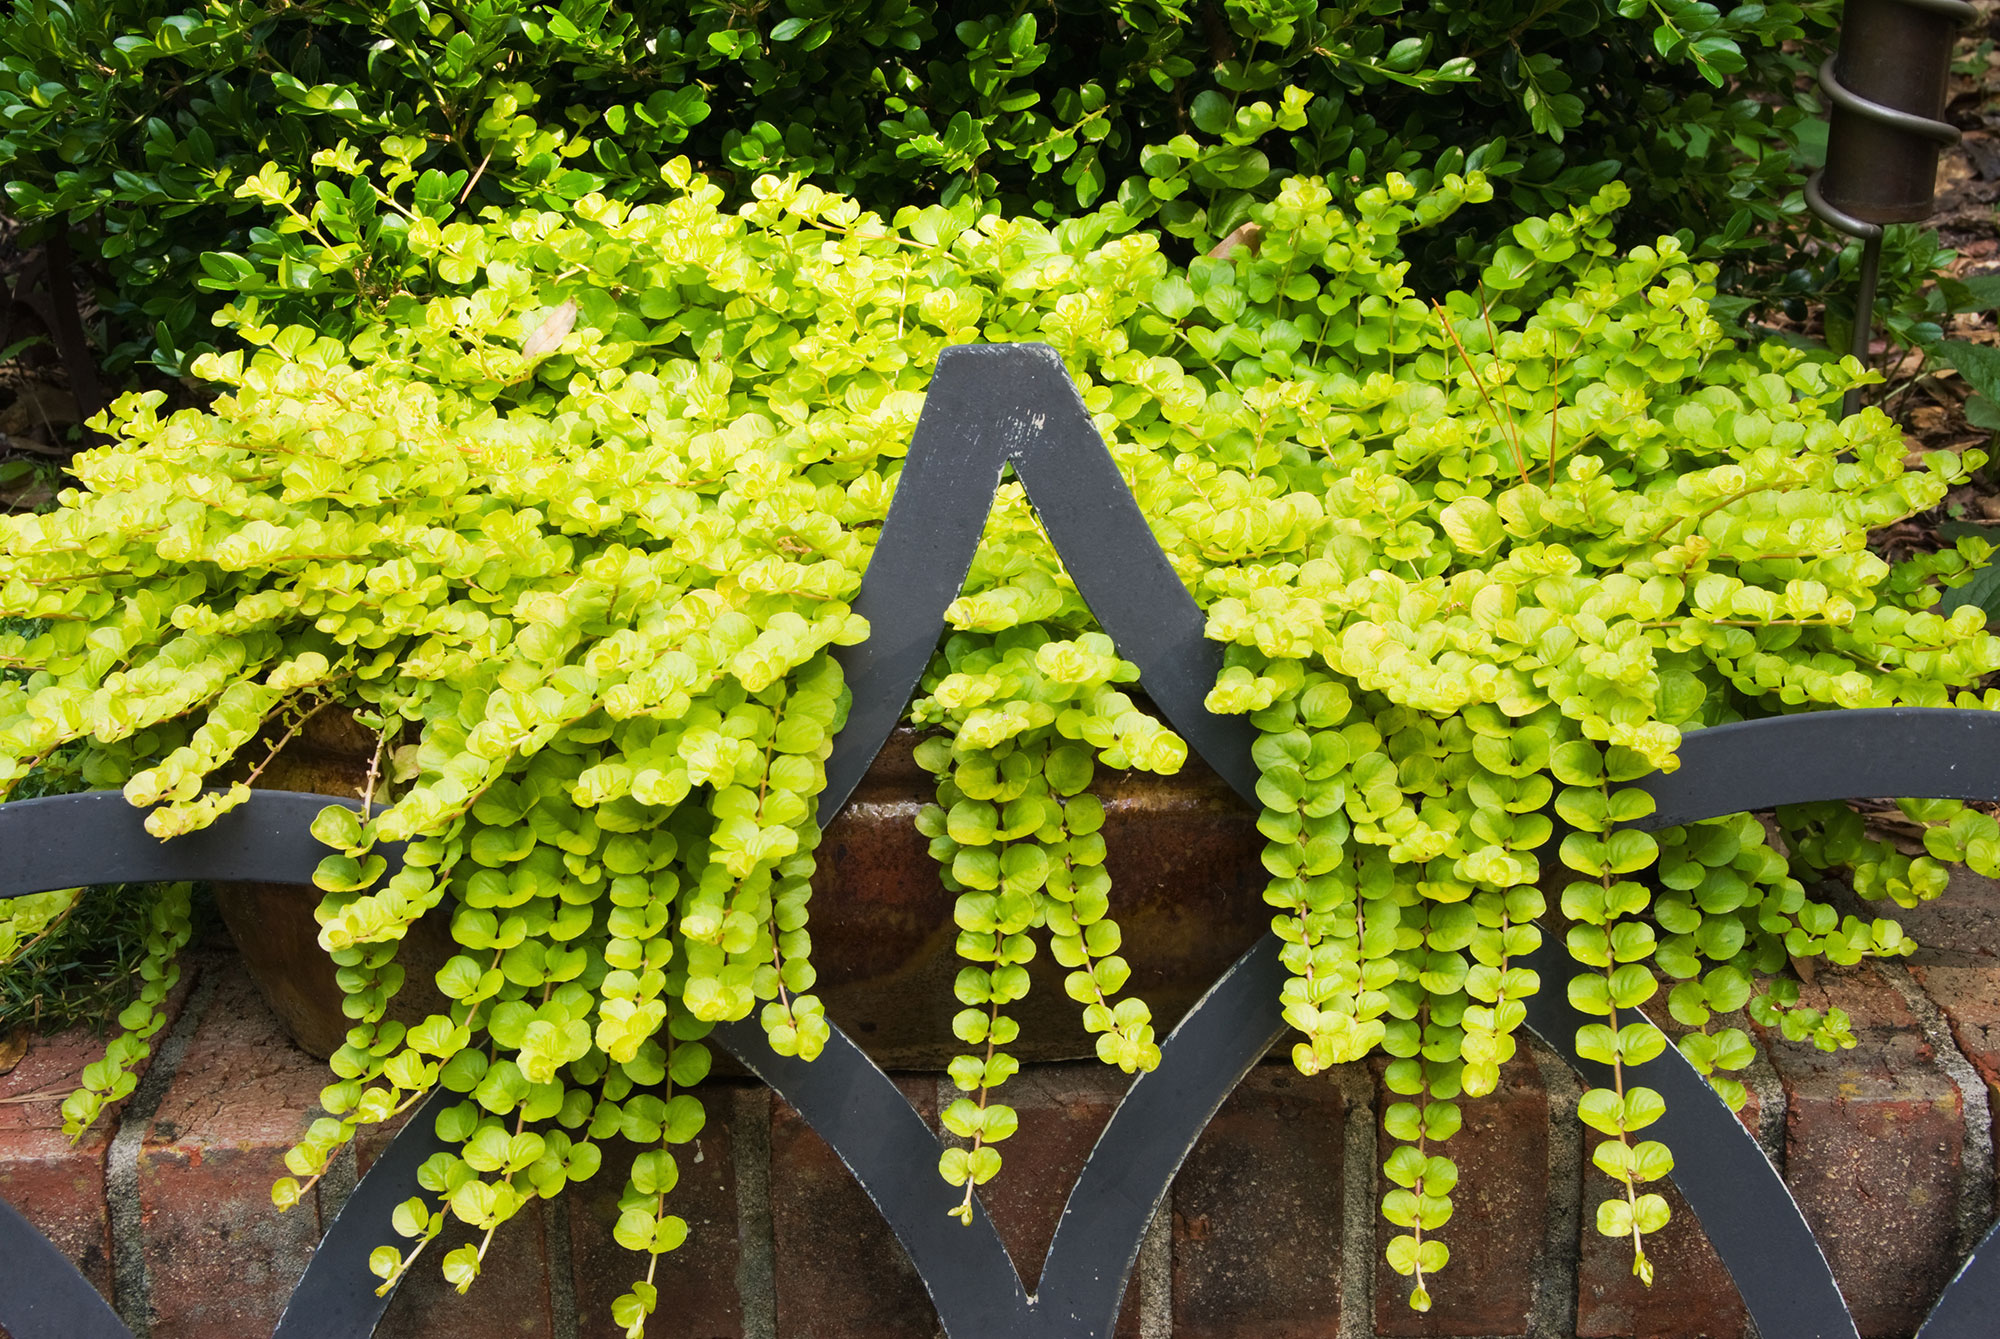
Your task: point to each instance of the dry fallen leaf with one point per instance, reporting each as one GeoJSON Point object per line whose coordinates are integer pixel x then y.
{"type": "Point", "coordinates": [12, 1047]}
{"type": "Point", "coordinates": [551, 331]}
{"type": "Point", "coordinates": [1249, 235]}
{"type": "Point", "coordinates": [1954, 170]}
{"type": "Point", "coordinates": [37, 406]}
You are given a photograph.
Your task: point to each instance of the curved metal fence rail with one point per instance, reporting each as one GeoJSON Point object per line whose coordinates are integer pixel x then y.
{"type": "Point", "coordinates": [988, 407]}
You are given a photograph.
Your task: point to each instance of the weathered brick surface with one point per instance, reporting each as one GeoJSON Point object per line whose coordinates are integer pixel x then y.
{"type": "Point", "coordinates": [1182, 852]}
{"type": "Point", "coordinates": [60, 1186]}
{"type": "Point", "coordinates": [1063, 1108]}
{"type": "Point", "coordinates": [1495, 1233]}
{"type": "Point", "coordinates": [1874, 1140]}
{"type": "Point", "coordinates": [511, 1298]}
{"type": "Point", "coordinates": [840, 1271]}
{"type": "Point", "coordinates": [699, 1296]}
{"type": "Point", "coordinates": [1958, 965]}
{"type": "Point", "coordinates": [1692, 1296]}
{"type": "Point", "coordinates": [220, 1260]}
{"type": "Point", "coordinates": [1257, 1214]}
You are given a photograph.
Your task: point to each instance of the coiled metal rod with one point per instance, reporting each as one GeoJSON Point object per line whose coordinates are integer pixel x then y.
{"type": "Point", "coordinates": [1886, 90]}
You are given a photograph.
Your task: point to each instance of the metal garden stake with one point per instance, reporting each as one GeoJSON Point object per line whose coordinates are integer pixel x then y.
{"type": "Point", "coordinates": [1887, 87]}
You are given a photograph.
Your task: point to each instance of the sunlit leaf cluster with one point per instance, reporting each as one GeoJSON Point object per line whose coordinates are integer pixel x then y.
{"type": "Point", "coordinates": [574, 535]}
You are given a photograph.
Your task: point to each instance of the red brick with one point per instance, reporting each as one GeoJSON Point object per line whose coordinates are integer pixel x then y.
{"type": "Point", "coordinates": [220, 1260]}
{"type": "Point", "coordinates": [509, 1298]}
{"type": "Point", "coordinates": [1257, 1214]}
{"type": "Point", "coordinates": [57, 1186]}
{"type": "Point", "coordinates": [1182, 852]}
{"type": "Point", "coordinates": [1873, 1147]}
{"type": "Point", "coordinates": [1968, 995]}
{"type": "Point", "coordinates": [697, 1283]}
{"type": "Point", "coordinates": [840, 1271]}
{"type": "Point", "coordinates": [1063, 1108]}
{"type": "Point", "coordinates": [1875, 1138]}
{"type": "Point", "coordinates": [1692, 1297]}
{"type": "Point", "coordinates": [1495, 1233]}
{"type": "Point", "coordinates": [1958, 964]}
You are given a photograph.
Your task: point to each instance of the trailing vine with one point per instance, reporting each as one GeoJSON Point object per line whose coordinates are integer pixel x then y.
{"type": "Point", "coordinates": [573, 536]}
{"type": "Point", "coordinates": [1019, 841]}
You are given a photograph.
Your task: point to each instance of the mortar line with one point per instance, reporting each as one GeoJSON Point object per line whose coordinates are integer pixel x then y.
{"type": "Point", "coordinates": [1553, 1313]}
{"type": "Point", "coordinates": [1773, 1124]}
{"type": "Point", "coordinates": [562, 1282]}
{"type": "Point", "coordinates": [1773, 1106]}
{"type": "Point", "coordinates": [130, 1288]}
{"type": "Point", "coordinates": [1975, 1168]}
{"type": "Point", "coordinates": [943, 1093]}
{"type": "Point", "coordinates": [756, 1256]}
{"type": "Point", "coordinates": [1156, 1273]}
{"type": "Point", "coordinates": [336, 1184]}
{"type": "Point", "coordinates": [1357, 1202]}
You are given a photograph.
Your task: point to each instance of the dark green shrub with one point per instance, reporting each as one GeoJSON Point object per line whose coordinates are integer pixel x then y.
{"type": "Point", "coordinates": [143, 119]}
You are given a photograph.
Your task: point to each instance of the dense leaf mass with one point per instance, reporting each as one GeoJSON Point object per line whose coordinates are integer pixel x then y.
{"type": "Point", "coordinates": [573, 534]}
{"type": "Point", "coordinates": [145, 117]}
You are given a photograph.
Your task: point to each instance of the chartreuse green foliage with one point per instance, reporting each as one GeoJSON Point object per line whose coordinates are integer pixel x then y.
{"type": "Point", "coordinates": [574, 533]}
{"type": "Point", "coordinates": [25, 919]}
{"type": "Point", "coordinates": [72, 956]}
{"type": "Point", "coordinates": [1020, 842]}
{"type": "Point", "coordinates": [146, 119]}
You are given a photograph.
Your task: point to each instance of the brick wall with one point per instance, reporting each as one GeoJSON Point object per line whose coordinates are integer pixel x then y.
{"type": "Point", "coordinates": [1271, 1229]}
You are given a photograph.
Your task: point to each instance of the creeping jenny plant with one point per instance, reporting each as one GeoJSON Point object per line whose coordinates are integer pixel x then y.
{"type": "Point", "coordinates": [572, 524]}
